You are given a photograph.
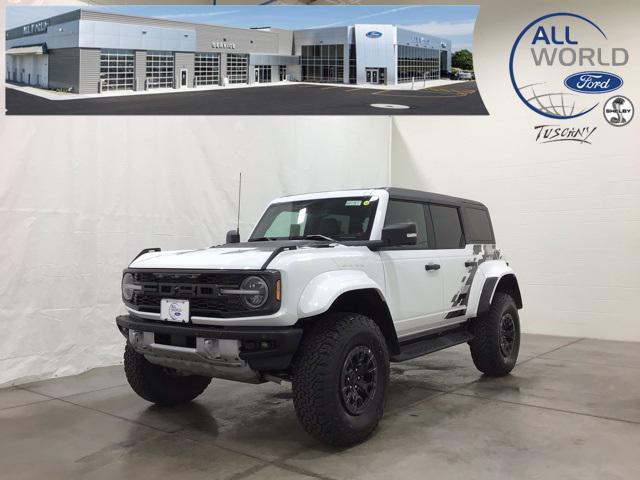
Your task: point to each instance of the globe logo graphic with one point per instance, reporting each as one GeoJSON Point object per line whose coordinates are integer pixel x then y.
{"type": "Point", "coordinates": [557, 47]}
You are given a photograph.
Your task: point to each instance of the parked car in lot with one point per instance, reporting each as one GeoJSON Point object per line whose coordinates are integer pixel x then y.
{"type": "Point", "coordinates": [328, 289]}
{"type": "Point", "coordinates": [464, 75]}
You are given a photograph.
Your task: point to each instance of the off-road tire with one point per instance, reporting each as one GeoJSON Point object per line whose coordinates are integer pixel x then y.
{"type": "Point", "coordinates": [318, 378]}
{"type": "Point", "coordinates": [486, 351]}
{"type": "Point", "coordinates": [156, 384]}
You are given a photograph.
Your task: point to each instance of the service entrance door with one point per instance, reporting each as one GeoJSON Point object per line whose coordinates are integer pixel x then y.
{"type": "Point", "coordinates": [183, 77]}
{"type": "Point", "coordinates": [373, 76]}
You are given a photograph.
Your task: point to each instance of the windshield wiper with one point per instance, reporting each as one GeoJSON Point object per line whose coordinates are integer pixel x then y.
{"type": "Point", "coordinates": [312, 236]}
{"type": "Point", "coordinates": [315, 236]}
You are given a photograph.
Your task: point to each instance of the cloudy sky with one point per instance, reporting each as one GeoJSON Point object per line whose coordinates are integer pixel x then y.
{"type": "Point", "coordinates": [452, 22]}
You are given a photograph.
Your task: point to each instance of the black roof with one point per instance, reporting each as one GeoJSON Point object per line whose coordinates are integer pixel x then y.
{"type": "Point", "coordinates": [420, 196]}
{"type": "Point", "coordinates": [414, 195]}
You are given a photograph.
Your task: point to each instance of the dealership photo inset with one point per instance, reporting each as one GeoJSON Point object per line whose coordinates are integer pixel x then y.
{"type": "Point", "coordinates": [242, 60]}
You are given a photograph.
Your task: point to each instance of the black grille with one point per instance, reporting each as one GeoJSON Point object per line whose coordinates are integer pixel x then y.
{"type": "Point", "coordinates": [202, 289]}
{"type": "Point", "coordinates": [230, 279]}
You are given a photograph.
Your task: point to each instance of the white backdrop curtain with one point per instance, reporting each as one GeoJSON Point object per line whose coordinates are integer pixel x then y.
{"type": "Point", "coordinates": [81, 196]}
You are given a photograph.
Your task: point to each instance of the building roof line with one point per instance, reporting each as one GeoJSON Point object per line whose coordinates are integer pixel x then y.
{"type": "Point", "coordinates": [177, 22]}
{"type": "Point", "coordinates": [187, 24]}
{"type": "Point", "coordinates": [184, 24]}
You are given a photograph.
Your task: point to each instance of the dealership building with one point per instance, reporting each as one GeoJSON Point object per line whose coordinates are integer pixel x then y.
{"type": "Point", "coordinates": [86, 51]}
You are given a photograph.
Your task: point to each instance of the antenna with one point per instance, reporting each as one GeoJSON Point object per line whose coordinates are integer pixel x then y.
{"type": "Point", "coordinates": [239, 197]}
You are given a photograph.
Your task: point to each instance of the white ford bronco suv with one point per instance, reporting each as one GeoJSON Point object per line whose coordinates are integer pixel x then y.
{"type": "Point", "coordinates": [327, 290]}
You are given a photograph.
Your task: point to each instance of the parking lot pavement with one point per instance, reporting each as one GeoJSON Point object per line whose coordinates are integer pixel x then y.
{"type": "Point", "coordinates": [568, 410]}
{"type": "Point", "coordinates": [298, 99]}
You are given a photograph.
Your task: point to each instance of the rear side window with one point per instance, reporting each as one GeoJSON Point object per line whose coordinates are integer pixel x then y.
{"type": "Point", "coordinates": [406, 212]}
{"type": "Point", "coordinates": [478, 226]}
{"type": "Point", "coordinates": [447, 227]}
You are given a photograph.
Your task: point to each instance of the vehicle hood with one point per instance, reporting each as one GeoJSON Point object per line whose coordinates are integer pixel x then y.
{"type": "Point", "coordinates": [241, 256]}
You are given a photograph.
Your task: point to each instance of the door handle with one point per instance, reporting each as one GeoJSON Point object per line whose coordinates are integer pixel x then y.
{"type": "Point", "coordinates": [432, 266]}
{"type": "Point", "coordinates": [470, 263]}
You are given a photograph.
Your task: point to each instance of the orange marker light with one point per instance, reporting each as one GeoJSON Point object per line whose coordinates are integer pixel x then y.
{"type": "Point", "coordinates": [278, 292]}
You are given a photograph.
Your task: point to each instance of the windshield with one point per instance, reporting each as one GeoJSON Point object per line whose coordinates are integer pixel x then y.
{"type": "Point", "coordinates": [341, 219]}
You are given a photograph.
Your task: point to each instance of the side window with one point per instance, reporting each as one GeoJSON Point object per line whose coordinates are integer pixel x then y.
{"type": "Point", "coordinates": [447, 227]}
{"type": "Point", "coordinates": [477, 226]}
{"type": "Point", "coordinates": [402, 212]}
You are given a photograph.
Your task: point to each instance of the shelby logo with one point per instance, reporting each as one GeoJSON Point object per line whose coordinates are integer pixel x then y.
{"type": "Point", "coordinates": [556, 133]}
{"type": "Point", "coordinates": [544, 60]}
{"type": "Point", "coordinates": [618, 111]}
{"type": "Point", "coordinates": [593, 82]}
{"type": "Point", "coordinates": [374, 34]}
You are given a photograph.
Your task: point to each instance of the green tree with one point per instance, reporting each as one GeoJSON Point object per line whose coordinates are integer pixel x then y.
{"type": "Point", "coordinates": [462, 59]}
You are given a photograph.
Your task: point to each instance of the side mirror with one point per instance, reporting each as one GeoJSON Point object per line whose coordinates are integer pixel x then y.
{"type": "Point", "coordinates": [400, 234]}
{"type": "Point", "coordinates": [233, 236]}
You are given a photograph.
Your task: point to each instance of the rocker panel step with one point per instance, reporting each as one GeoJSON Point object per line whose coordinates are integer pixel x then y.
{"type": "Point", "coordinates": [432, 343]}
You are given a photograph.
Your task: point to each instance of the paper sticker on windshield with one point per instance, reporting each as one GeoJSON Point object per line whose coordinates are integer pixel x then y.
{"type": "Point", "coordinates": [353, 203]}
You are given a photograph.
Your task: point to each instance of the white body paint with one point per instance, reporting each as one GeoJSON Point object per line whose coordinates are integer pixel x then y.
{"type": "Point", "coordinates": [313, 278]}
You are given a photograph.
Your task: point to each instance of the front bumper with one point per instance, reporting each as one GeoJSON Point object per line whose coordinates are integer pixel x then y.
{"type": "Point", "coordinates": [239, 353]}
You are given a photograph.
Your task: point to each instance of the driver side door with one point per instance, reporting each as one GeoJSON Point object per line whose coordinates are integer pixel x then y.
{"type": "Point", "coordinates": [413, 280]}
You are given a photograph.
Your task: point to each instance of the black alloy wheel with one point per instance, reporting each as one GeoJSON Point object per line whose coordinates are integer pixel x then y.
{"type": "Point", "coordinates": [359, 379]}
{"type": "Point", "coordinates": [507, 334]}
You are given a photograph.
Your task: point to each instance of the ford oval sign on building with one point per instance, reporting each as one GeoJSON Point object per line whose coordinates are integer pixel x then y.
{"type": "Point", "coordinates": [374, 34]}
{"type": "Point", "coordinates": [593, 82]}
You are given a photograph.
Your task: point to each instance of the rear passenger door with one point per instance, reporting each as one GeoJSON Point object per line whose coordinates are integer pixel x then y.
{"type": "Point", "coordinates": [452, 255]}
{"type": "Point", "coordinates": [414, 291]}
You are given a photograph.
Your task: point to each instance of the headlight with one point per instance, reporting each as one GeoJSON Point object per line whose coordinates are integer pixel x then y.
{"type": "Point", "coordinates": [257, 285]}
{"type": "Point", "coordinates": [128, 287]}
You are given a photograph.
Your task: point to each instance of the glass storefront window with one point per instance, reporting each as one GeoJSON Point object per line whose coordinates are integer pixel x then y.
{"type": "Point", "coordinates": [418, 63]}
{"type": "Point", "coordinates": [352, 64]}
{"type": "Point", "coordinates": [322, 63]}
{"type": "Point", "coordinates": [263, 73]}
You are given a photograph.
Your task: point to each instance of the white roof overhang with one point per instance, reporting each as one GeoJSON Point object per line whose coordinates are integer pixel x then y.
{"type": "Point", "coordinates": [30, 50]}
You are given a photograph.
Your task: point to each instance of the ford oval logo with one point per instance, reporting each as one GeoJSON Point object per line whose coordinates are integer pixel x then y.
{"type": "Point", "coordinates": [593, 82]}
{"type": "Point", "coordinates": [374, 34]}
